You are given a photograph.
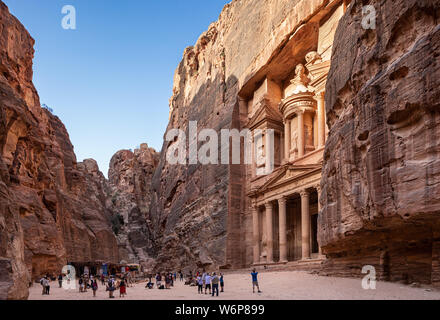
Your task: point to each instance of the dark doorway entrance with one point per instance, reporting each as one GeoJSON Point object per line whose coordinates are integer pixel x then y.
{"type": "Point", "coordinates": [315, 246]}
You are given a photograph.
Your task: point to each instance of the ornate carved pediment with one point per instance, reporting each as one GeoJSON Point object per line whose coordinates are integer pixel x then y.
{"type": "Point", "coordinates": [318, 73]}
{"type": "Point", "coordinates": [289, 174]}
{"type": "Point", "coordinates": [266, 115]}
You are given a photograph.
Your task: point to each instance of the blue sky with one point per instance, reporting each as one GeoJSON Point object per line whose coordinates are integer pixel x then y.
{"type": "Point", "coordinates": [109, 80]}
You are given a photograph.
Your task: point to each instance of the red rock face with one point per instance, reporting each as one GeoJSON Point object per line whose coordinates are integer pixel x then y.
{"type": "Point", "coordinates": [52, 209]}
{"type": "Point", "coordinates": [129, 198]}
{"type": "Point", "coordinates": [381, 177]}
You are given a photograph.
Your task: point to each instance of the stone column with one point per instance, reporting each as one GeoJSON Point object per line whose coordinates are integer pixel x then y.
{"type": "Point", "coordinates": [269, 231]}
{"type": "Point", "coordinates": [256, 234]}
{"type": "Point", "coordinates": [305, 224]}
{"type": "Point", "coordinates": [283, 228]}
{"type": "Point", "coordinates": [301, 142]}
{"type": "Point", "coordinates": [321, 120]}
{"type": "Point", "coordinates": [318, 190]}
{"type": "Point", "coordinates": [287, 138]}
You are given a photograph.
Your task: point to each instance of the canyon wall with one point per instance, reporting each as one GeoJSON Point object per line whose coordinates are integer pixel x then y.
{"type": "Point", "coordinates": [129, 198]}
{"type": "Point", "coordinates": [53, 209]}
{"type": "Point", "coordinates": [381, 177]}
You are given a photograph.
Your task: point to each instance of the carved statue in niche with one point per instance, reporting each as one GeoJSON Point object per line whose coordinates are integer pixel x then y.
{"type": "Point", "coordinates": [301, 80]}
{"type": "Point", "coordinates": [308, 134]}
{"type": "Point", "coordinates": [294, 141]}
{"type": "Point", "coordinates": [261, 151]}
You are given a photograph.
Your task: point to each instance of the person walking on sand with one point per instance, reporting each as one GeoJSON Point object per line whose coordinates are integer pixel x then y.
{"type": "Point", "coordinates": [94, 287]}
{"type": "Point", "coordinates": [122, 289]}
{"type": "Point", "coordinates": [81, 284]}
{"type": "Point", "coordinates": [47, 285]}
{"type": "Point", "coordinates": [111, 287]}
{"type": "Point", "coordinates": [254, 275]}
{"type": "Point", "coordinates": [43, 282]}
{"type": "Point", "coordinates": [60, 280]}
{"type": "Point", "coordinates": [222, 283]}
{"type": "Point", "coordinates": [215, 280]}
{"type": "Point", "coordinates": [208, 283]}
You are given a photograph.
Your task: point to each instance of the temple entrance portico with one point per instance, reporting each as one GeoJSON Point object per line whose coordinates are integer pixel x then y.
{"type": "Point", "coordinates": [285, 219]}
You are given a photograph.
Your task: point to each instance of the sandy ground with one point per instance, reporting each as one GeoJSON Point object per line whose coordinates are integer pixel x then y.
{"type": "Point", "coordinates": [274, 285]}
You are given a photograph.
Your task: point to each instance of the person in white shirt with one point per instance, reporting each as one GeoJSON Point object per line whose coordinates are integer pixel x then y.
{"type": "Point", "coordinates": [200, 285]}
{"type": "Point", "coordinates": [208, 283]}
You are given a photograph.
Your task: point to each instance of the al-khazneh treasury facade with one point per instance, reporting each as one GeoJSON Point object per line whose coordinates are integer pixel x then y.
{"type": "Point", "coordinates": [280, 223]}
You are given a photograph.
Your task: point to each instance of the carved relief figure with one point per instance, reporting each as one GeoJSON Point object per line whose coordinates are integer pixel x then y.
{"type": "Point", "coordinates": [301, 80]}
{"type": "Point", "coordinates": [308, 134]}
{"type": "Point", "coordinates": [261, 151]}
{"type": "Point", "coordinates": [294, 141]}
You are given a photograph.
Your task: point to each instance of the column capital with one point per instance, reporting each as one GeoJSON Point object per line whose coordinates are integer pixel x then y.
{"type": "Point", "coordinates": [282, 200]}
{"type": "Point", "coordinates": [304, 193]}
{"type": "Point", "coordinates": [268, 205]}
{"type": "Point", "coordinates": [320, 94]}
{"type": "Point", "coordinates": [318, 188]}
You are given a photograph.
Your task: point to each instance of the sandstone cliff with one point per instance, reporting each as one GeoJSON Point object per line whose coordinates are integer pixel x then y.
{"type": "Point", "coordinates": [52, 209]}
{"type": "Point", "coordinates": [381, 178]}
{"type": "Point", "coordinates": [129, 199]}
{"type": "Point", "coordinates": [198, 211]}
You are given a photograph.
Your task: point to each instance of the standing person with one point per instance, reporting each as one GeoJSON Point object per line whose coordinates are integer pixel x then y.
{"type": "Point", "coordinates": [111, 287]}
{"type": "Point", "coordinates": [122, 288]}
{"type": "Point", "coordinates": [254, 275]}
{"type": "Point", "coordinates": [204, 278]}
{"type": "Point", "coordinates": [215, 280]}
{"type": "Point", "coordinates": [181, 275]}
{"type": "Point", "coordinates": [222, 282]}
{"type": "Point", "coordinates": [200, 284]}
{"type": "Point", "coordinates": [94, 287]}
{"type": "Point", "coordinates": [158, 280]}
{"type": "Point", "coordinates": [60, 280]}
{"type": "Point", "coordinates": [81, 284]}
{"type": "Point", "coordinates": [208, 283]}
{"type": "Point", "coordinates": [43, 282]}
{"type": "Point", "coordinates": [102, 279]}
{"type": "Point", "coordinates": [47, 285]}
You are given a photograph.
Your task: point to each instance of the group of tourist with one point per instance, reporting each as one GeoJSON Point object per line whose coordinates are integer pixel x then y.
{"type": "Point", "coordinates": [210, 281]}
{"type": "Point", "coordinates": [165, 281]}
{"type": "Point", "coordinates": [45, 283]}
{"type": "Point", "coordinates": [113, 285]}
{"type": "Point", "coordinates": [206, 282]}
{"type": "Point", "coordinates": [86, 282]}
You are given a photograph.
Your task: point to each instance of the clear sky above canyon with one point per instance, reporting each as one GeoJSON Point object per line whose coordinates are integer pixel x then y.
{"type": "Point", "coordinates": [109, 80]}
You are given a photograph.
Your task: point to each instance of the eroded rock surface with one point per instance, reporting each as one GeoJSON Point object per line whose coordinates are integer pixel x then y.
{"type": "Point", "coordinates": [381, 178]}
{"type": "Point", "coordinates": [130, 177]}
{"type": "Point", "coordinates": [52, 209]}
